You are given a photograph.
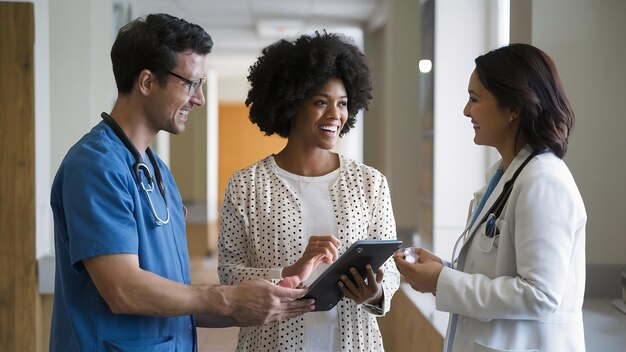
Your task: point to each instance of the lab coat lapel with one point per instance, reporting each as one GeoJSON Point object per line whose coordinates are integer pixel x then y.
{"type": "Point", "coordinates": [508, 174]}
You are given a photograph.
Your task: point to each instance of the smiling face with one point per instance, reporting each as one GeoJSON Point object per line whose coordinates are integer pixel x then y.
{"type": "Point", "coordinates": [321, 116]}
{"type": "Point", "coordinates": [171, 103]}
{"type": "Point", "coordinates": [492, 125]}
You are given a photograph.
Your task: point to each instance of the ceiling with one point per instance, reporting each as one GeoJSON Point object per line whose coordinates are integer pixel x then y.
{"type": "Point", "coordinates": [241, 28]}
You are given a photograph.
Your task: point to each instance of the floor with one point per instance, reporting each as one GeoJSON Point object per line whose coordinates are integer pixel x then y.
{"type": "Point", "coordinates": [204, 271]}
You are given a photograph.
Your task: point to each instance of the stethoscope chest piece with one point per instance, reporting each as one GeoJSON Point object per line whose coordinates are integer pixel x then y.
{"type": "Point", "coordinates": [140, 167]}
{"type": "Point", "coordinates": [487, 239]}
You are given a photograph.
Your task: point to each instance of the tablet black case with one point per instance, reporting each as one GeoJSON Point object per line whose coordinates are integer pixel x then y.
{"type": "Point", "coordinates": [374, 252]}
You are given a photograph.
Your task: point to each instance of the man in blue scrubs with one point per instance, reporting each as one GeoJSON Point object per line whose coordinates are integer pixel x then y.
{"type": "Point", "coordinates": [122, 266]}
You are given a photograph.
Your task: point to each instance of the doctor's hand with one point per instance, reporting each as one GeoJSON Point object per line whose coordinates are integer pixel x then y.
{"type": "Point", "coordinates": [320, 249]}
{"type": "Point", "coordinates": [423, 275]}
{"type": "Point", "coordinates": [258, 302]}
{"type": "Point", "coordinates": [360, 291]}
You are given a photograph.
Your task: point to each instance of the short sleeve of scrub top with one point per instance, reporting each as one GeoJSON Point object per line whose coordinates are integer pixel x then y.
{"type": "Point", "coordinates": [99, 207]}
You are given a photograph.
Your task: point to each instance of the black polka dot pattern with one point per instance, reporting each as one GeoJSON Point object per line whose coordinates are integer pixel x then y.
{"type": "Point", "coordinates": [261, 232]}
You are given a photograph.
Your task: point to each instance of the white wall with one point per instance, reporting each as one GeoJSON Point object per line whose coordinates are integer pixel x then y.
{"type": "Point", "coordinates": [398, 92]}
{"type": "Point", "coordinates": [81, 79]}
{"type": "Point", "coordinates": [587, 40]}
{"type": "Point", "coordinates": [70, 76]}
{"type": "Point", "coordinates": [43, 222]}
{"type": "Point", "coordinates": [463, 31]}
{"type": "Point", "coordinates": [81, 86]}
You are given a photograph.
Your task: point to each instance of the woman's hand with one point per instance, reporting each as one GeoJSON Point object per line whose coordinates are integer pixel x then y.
{"type": "Point", "coordinates": [290, 282]}
{"type": "Point", "coordinates": [320, 249]}
{"type": "Point", "coordinates": [423, 275]}
{"type": "Point", "coordinates": [360, 291]}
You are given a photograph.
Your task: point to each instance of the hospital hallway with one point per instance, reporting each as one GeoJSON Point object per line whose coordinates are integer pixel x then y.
{"type": "Point", "coordinates": [204, 271]}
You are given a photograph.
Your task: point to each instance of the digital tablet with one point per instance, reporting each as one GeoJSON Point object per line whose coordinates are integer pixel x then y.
{"type": "Point", "coordinates": [374, 252]}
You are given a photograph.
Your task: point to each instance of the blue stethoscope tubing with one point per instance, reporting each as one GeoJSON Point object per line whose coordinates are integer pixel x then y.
{"type": "Point", "coordinates": [141, 166]}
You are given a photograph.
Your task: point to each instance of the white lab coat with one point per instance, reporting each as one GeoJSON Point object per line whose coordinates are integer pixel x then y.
{"type": "Point", "coordinates": [525, 291]}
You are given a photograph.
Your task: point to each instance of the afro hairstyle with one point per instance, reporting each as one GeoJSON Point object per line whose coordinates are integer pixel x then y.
{"type": "Point", "coordinates": [287, 72]}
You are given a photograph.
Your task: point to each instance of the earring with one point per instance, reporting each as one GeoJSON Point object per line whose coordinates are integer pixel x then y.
{"type": "Point", "coordinates": [511, 118]}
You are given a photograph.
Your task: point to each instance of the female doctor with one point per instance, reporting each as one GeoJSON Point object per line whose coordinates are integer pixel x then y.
{"type": "Point", "coordinates": [518, 280]}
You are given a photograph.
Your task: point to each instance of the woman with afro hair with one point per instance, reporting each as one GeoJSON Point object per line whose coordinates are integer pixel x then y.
{"type": "Point", "coordinates": [297, 211]}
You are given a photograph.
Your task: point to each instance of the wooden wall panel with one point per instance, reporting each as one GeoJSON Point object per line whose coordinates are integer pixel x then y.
{"type": "Point", "coordinates": [404, 328]}
{"type": "Point", "coordinates": [18, 285]}
{"type": "Point", "coordinates": [45, 322]}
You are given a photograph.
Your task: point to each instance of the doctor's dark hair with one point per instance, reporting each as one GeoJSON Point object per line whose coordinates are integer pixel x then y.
{"type": "Point", "coordinates": [152, 43]}
{"type": "Point", "coordinates": [287, 72]}
{"type": "Point", "coordinates": [525, 79]}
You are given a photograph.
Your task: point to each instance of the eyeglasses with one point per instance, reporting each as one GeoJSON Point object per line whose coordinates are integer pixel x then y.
{"type": "Point", "coordinates": [193, 85]}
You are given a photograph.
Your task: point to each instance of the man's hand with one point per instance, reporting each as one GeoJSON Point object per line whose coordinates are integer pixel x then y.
{"type": "Point", "coordinates": [423, 275]}
{"type": "Point", "coordinates": [259, 302]}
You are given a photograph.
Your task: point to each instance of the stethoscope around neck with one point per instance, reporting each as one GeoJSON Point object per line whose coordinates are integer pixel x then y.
{"type": "Point", "coordinates": [139, 167]}
{"type": "Point", "coordinates": [492, 215]}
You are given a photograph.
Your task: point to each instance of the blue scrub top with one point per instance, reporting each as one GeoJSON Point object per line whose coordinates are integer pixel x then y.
{"type": "Point", "coordinates": [99, 209]}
